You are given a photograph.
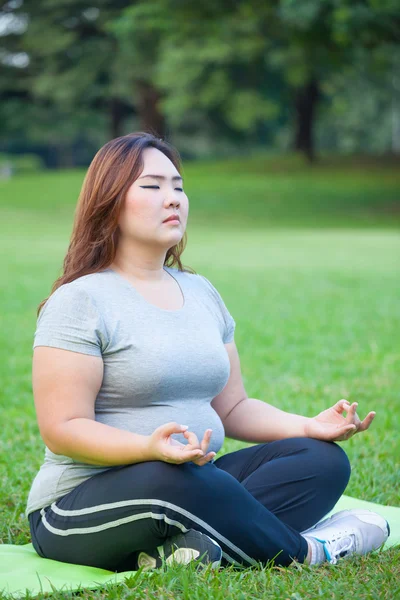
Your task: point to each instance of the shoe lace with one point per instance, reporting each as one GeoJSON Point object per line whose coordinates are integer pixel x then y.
{"type": "Point", "coordinates": [337, 548]}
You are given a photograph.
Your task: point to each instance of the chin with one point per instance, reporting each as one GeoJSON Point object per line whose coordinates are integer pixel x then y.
{"type": "Point", "coordinates": [176, 235]}
{"type": "Point", "coordinates": [172, 240]}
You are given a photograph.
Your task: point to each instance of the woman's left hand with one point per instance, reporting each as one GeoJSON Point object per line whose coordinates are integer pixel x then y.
{"type": "Point", "coordinates": [330, 425]}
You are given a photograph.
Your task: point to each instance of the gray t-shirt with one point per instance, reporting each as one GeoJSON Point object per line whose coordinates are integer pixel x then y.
{"type": "Point", "coordinates": [159, 365]}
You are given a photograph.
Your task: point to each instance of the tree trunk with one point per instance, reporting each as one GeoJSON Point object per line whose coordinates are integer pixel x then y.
{"type": "Point", "coordinates": [116, 117]}
{"type": "Point", "coordinates": [306, 101]}
{"type": "Point", "coordinates": [151, 119]}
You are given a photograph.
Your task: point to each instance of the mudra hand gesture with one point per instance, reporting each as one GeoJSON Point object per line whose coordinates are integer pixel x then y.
{"type": "Point", "coordinates": [164, 447]}
{"type": "Point", "coordinates": [330, 425]}
{"type": "Point", "coordinates": [194, 443]}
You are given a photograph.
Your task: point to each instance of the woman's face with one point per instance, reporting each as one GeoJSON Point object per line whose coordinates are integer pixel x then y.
{"type": "Point", "coordinates": [149, 201]}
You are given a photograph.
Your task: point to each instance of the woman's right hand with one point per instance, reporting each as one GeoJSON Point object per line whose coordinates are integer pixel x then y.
{"type": "Point", "coordinates": [194, 443]}
{"type": "Point", "coordinates": [165, 448]}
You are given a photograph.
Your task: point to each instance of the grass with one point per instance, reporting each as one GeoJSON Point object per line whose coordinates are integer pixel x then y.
{"type": "Point", "coordinates": [307, 261]}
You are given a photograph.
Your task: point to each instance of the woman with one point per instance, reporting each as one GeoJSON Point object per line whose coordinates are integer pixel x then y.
{"type": "Point", "coordinates": [127, 348]}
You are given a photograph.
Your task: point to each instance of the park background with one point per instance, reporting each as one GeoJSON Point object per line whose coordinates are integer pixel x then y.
{"type": "Point", "coordinates": [287, 118]}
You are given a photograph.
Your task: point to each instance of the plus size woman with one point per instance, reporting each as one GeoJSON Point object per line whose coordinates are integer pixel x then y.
{"type": "Point", "coordinates": [136, 380]}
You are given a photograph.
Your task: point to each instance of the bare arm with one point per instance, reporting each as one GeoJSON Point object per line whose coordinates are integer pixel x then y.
{"type": "Point", "coordinates": [253, 420]}
{"type": "Point", "coordinates": [249, 419]}
{"type": "Point", "coordinates": [65, 387]}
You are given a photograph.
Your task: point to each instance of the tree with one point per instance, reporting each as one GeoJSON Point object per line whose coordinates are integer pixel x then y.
{"type": "Point", "coordinates": [73, 57]}
{"type": "Point", "coordinates": [323, 37]}
{"type": "Point", "coordinates": [226, 61]}
{"type": "Point", "coordinates": [207, 62]}
{"type": "Point", "coordinates": [229, 69]}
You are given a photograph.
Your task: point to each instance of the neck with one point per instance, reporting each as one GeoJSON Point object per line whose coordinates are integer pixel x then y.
{"type": "Point", "coordinates": [145, 264]}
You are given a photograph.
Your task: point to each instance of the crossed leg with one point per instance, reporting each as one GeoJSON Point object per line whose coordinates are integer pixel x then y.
{"type": "Point", "coordinates": [244, 501]}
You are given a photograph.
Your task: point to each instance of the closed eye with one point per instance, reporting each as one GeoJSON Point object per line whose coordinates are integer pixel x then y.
{"type": "Point", "coordinates": [156, 187]}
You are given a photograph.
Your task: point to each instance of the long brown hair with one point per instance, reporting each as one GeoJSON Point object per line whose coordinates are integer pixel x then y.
{"type": "Point", "coordinates": [95, 232]}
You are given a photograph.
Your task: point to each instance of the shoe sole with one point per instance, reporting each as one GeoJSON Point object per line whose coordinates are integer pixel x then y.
{"type": "Point", "coordinates": [181, 555]}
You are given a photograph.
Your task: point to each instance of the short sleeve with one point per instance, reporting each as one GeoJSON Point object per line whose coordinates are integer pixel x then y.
{"type": "Point", "coordinates": [229, 322]}
{"type": "Point", "coordinates": [70, 320]}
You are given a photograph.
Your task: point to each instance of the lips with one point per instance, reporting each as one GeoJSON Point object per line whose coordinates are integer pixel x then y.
{"type": "Point", "coordinates": [172, 218]}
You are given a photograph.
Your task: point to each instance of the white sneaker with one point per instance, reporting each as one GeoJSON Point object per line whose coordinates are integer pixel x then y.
{"type": "Point", "coordinates": [350, 532]}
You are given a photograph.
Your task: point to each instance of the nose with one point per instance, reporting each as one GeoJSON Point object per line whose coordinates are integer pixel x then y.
{"type": "Point", "coordinates": [172, 199]}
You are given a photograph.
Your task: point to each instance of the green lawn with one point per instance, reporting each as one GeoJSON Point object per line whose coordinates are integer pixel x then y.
{"type": "Point", "coordinates": [307, 261]}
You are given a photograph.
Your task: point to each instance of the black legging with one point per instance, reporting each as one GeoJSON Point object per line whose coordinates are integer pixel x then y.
{"type": "Point", "coordinates": [253, 502]}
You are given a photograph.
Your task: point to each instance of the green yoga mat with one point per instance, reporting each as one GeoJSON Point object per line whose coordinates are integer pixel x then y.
{"type": "Point", "coordinates": [22, 569]}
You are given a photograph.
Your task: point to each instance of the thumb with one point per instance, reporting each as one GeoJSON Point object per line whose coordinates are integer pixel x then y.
{"type": "Point", "coordinates": [169, 428]}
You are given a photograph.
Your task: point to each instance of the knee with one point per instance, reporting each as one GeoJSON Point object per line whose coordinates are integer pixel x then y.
{"type": "Point", "coordinates": [333, 462]}
{"type": "Point", "coordinates": [339, 463]}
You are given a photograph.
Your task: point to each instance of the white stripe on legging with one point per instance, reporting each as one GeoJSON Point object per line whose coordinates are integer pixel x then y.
{"type": "Point", "coordinates": [79, 530]}
{"type": "Point", "coordinates": [62, 532]}
{"type": "Point", "coordinates": [112, 505]}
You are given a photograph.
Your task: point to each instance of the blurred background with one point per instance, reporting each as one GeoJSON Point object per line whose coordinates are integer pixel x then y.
{"type": "Point", "coordinates": [287, 116]}
{"type": "Point", "coordinates": [314, 77]}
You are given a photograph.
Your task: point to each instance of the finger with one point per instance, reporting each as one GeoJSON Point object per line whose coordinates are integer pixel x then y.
{"type": "Point", "coordinates": [341, 406]}
{"type": "Point", "coordinates": [351, 413]}
{"type": "Point", "coordinates": [346, 405]}
{"type": "Point", "coordinates": [344, 432]}
{"type": "Point", "coordinates": [357, 421]}
{"type": "Point", "coordinates": [367, 421]}
{"type": "Point", "coordinates": [192, 439]}
{"type": "Point", "coordinates": [205, 459]}
{"type": "Point", "coordinates": [170, 428]}
{"type": "Point", "coordinates": [352, 431]}
{"type": "Point", "coordinates": [183, 455]}
{"type": "Point", "coordinates": [206, 440]}
{"type": "Point", "coordinates": [204, 446]}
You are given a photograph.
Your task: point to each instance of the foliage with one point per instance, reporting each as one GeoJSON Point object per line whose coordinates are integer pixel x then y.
{"type": "Point", "coordinates": [231, 70]}
{"type": "Point", "coordinates": [21, 163]}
